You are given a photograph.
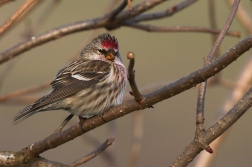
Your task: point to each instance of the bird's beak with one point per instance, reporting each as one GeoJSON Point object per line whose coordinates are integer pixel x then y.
{"type": "Point", "coordinates": [110, 56]}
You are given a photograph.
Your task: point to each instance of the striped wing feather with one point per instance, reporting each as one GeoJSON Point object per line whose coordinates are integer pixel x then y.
{"type": "Point", "coordinates": [66, 85]}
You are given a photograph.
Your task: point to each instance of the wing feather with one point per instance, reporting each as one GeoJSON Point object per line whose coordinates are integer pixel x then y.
{"type": "Point", "coordinates": [66, 85]}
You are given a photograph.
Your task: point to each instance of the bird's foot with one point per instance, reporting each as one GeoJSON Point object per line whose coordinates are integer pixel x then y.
{"type": "Point", "coordinates": [101, 116]}
{"type": "Point", "coordinates": [81, 122]}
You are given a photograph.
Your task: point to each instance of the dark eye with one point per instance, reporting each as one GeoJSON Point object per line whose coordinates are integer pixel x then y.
{"type": "Point", "coordinates": [102, 51]}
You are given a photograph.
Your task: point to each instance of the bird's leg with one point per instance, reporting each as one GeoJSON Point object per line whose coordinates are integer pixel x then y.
{"type": "Point", "coordinates": [81, 122]}
{"type": "Point", "coordinates": [59, 129]}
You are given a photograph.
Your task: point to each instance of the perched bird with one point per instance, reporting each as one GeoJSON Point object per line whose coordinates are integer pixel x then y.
{"type": "Point", "coordinates": [87, 86]}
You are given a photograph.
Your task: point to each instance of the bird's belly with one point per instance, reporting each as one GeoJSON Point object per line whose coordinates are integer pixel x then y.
{"type": "Point", "coordinates": [87, 104]}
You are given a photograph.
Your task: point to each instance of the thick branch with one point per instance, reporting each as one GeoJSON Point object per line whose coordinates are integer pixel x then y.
{"type": "Point", "coordinates": [9, 158]}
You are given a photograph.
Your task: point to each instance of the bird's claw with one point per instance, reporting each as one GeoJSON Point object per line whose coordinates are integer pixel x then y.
{"type": "Point", "coordinates": [81, 122]}
{"type": "Point", "coordinates": [101, 116]}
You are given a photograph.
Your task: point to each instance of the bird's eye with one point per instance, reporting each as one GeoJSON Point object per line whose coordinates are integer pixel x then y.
{"type": "Point", "coordinates": [102, 51]}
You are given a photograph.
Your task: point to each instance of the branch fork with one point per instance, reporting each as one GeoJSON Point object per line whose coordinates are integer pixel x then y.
{"type": "Point", "coordinates": [203, 144]}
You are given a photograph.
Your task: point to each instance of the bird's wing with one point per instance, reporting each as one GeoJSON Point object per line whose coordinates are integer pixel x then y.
{"type": "Point", "coordinates": [71, 79]}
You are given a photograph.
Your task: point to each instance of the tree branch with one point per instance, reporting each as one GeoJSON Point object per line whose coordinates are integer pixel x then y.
{"type": "Point", "coordinates": [116, 11]}
{"type": "Point", "coordinates": [241, 87]}
{"type": "Point", "coordinates": [93, 154]}
{"type": "Point", "coordinates": [164, 13]}
{"type": "Point", "coordinates": [14, 17]}
{"type": "Point", "coordinates": [152, 28]}
{"type": "Point", "coordinates": [138, 9]}
{"type": "Point", "coordinates": [215, 131]}
{"type": "Point", "coordinates": [137, 138]}
{"type": "Point", "coordinates": [131, 78]}
{"type": "Point", "coordinates": [23, 92]}
{"type": "Point", "coordinates": [129, 5]}
{"type": "Point", "coordinates": [202, 88]}
{"type": "Point", "coordinates": [243, 17]}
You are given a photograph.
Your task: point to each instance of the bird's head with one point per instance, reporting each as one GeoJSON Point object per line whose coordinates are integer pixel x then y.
{"type": "Point", "coordinates": [104, 47]}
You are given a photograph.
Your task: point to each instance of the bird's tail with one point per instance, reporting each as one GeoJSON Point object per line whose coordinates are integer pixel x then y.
{"type": "Point", "coordinates": [25, 113]}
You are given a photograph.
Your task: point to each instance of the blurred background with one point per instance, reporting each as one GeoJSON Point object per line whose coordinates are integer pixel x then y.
{"type": "Point", "coordinates": [160, 57]}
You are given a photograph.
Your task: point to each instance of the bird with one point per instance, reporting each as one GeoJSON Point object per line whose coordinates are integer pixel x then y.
{"type": "Point", "coordinates": [88, 86]}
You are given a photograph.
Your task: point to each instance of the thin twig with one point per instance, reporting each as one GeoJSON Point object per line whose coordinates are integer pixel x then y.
{"type": "Point", "coordinates": [243, 17]}
{"type": "Point", "coordinates": [129, 5]}
{"type": "Point", "coordinates": [4, 73]}
{"type": "Point", "coordinates": [23, 92]}
{"type": "Point", "coordinates": [164, 13]}
{"type": "Point", "coordinates": [131, 78]}
{"type": "Point", "coordinates": [106, 155]}
{"type": "Point", "coordinates": [138, 9]}
{"type": "Point", "coordinates": [24, 15]}
{"type": "Point", "coordinates": [137, 138]}
{"type": "Point", "coordinates": [224, 30]}
{"type": "Point", "coordinates": [9, 67]}
{"type": "Point", "coordinates": [93, 154]}
{"type": "Point", "coordinates": [213, 24]}
{"type": "Point", "coordinates": [212, 19]}
{"type": "Point", "coordinates": [152, 28]}
{"type": "Point", "coordinates": [42, 18]}
{"type": "Point", "coordinates": [14, 17]}
{"type": "Point", "coordinates": [202, 88]}
{"type": "Point", "coordinates": [116, 11]}
{"type": "Point", "coordinates": [5, 1]}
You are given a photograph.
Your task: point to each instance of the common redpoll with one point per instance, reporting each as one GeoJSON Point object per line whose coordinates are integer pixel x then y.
{"type": "Point", "coordinates": [89, 85]}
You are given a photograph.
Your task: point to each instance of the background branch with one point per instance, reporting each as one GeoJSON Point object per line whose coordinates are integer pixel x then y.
{"type": "Point", "coordinates": [164, 13]}
{"type": "Point", "coordinates": [202, 88]}
{"type": "Point", "coordinates": [14, 17]}
{"type": "Point", "coordinates": [243, 81]}
{"type": "Point", "coordinates": [215, 131]}
{"type": "Point", "coordinates": [152, 28]}
{"type": "Point", "coordinates": [93, 154]}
